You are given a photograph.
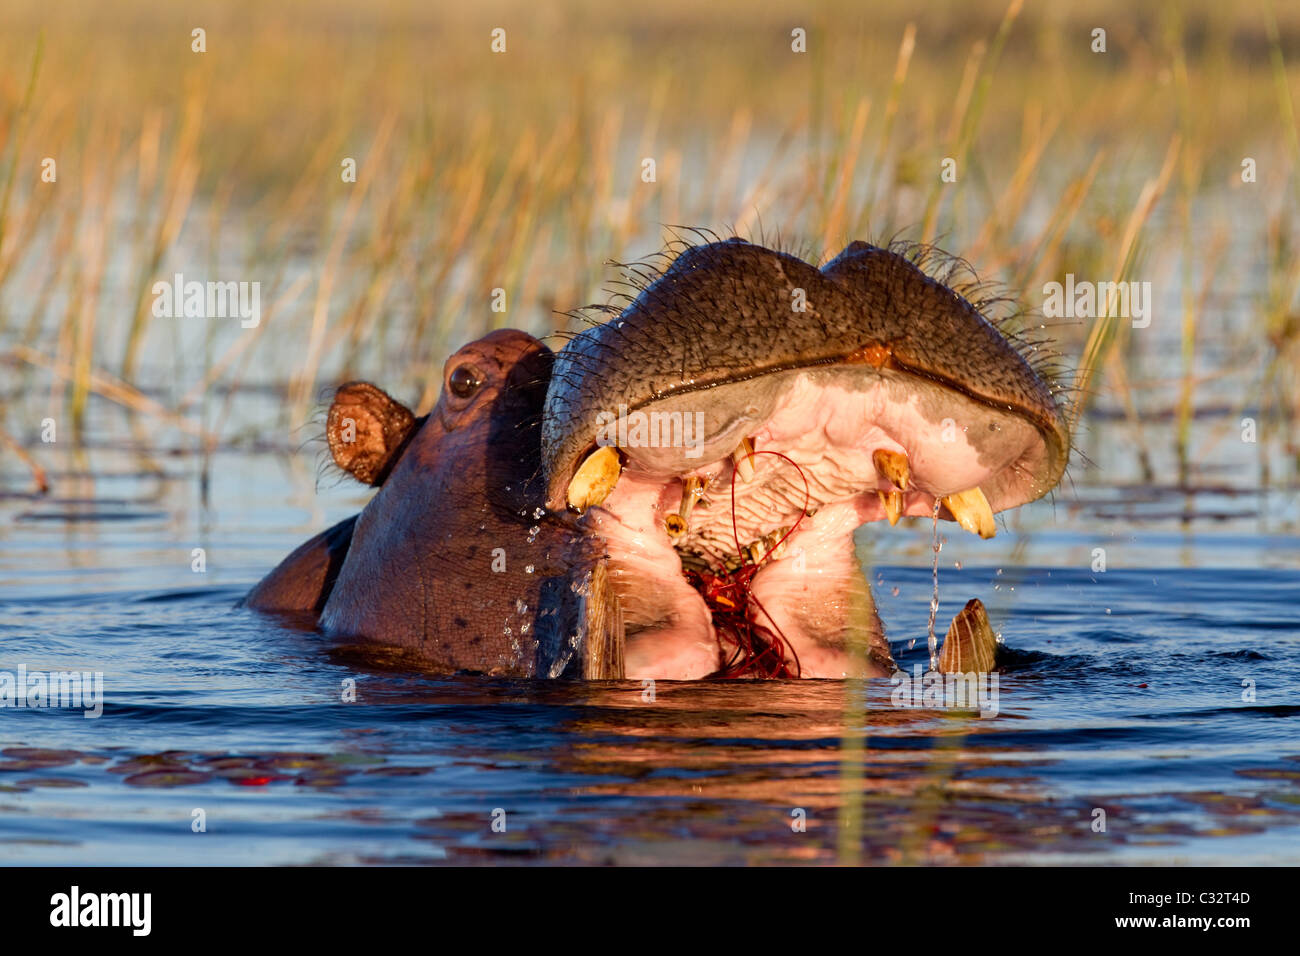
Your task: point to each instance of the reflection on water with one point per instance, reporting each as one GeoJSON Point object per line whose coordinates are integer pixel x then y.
{"type": "Point", "coordinates": [1121, 700]}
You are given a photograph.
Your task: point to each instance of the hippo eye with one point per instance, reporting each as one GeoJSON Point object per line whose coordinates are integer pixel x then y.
{"type": "Point", "coordinates": [463, 381]}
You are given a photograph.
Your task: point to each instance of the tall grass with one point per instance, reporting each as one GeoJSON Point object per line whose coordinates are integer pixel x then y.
{"type": "Point", "coordinates": [522, 172]}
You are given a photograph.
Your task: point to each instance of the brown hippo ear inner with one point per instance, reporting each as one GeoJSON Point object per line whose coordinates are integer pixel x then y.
{"type": "Point", "coordinates": [367, 430]}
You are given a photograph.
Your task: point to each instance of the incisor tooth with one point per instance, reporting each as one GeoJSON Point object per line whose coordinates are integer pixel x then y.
{"type": "Point", "coordinates": [595, 479]}
{"type": "Point", "coordinates": [893, 502]}
{"type": "Point", "coordinates": [692, 491]}
{"type": "Point", "coordinates": [893, 466]}
{"type": "Point", "coordinates": [972, 511]}
{"type": "Point", "coordinates": [743, 457]}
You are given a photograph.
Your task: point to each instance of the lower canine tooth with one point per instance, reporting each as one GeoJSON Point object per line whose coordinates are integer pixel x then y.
{"type": "Point", "coordinates": [595, 479]}
{"type": "Point", "coordinates": [893, 502]}
{"type": "Point", "coordinates": [971, 510]}
{"type": "Point", "coordinates": [893, 466]}
{"type": "Point", "coordinates": [743, 457]}
{"type": "Point", "coordinates": [971, 644]}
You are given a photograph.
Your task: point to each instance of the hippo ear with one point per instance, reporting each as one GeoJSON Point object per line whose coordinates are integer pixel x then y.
{"type": "Point", "coordinates": [367, 431]}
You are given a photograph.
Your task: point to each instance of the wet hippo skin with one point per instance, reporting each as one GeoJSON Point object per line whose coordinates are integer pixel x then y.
{"type": "Point", "coordinates": [454, 559]}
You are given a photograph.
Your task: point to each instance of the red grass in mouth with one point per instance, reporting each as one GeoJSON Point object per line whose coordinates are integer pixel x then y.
{"type": "Point", "coordinates": [757, 650]}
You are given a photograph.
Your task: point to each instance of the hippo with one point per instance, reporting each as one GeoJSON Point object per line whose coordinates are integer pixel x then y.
{"type": "Point", "coordinates": [674, 493]}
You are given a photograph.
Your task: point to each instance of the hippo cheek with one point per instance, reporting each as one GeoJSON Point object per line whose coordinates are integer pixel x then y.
{"type": "Point", "coordinates": [451, 560]}
{"type": "Point", "coordinates": [752, 441]}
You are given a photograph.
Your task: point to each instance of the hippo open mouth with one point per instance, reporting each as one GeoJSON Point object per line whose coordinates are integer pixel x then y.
{"type": "Point", "coordinates": [719, 441]}
{"type": "Point", "coordinates": [727, 433]}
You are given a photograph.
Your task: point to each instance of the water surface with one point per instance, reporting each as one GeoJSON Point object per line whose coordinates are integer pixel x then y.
{"type": "Point", "coordinates": [1121, 691]}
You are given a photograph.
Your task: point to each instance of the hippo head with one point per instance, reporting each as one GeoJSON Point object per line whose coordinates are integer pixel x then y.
{"type": "Point", "coordinates": [674, 494]}
{"type": "Point", "coordinates": [727, 432]}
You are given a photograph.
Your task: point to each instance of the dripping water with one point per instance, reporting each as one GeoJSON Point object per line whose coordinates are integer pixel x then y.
{"type": "Point", "coordinates": [937, 546]}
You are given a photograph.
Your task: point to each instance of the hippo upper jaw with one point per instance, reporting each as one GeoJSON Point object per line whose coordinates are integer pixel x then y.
{"type": "Point", "coordinates": [712, 423]}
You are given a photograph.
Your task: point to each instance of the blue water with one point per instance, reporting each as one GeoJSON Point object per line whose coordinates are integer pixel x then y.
{"type": "Point", "coordinates": [1121, 691]}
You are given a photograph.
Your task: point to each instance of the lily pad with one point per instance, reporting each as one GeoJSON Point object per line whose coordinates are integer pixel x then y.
{"type": "Point", "coordinates": [167, 778]}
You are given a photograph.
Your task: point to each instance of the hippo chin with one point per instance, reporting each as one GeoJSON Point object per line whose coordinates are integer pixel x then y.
{"type": "Point", "coordinates": [674, 494]}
